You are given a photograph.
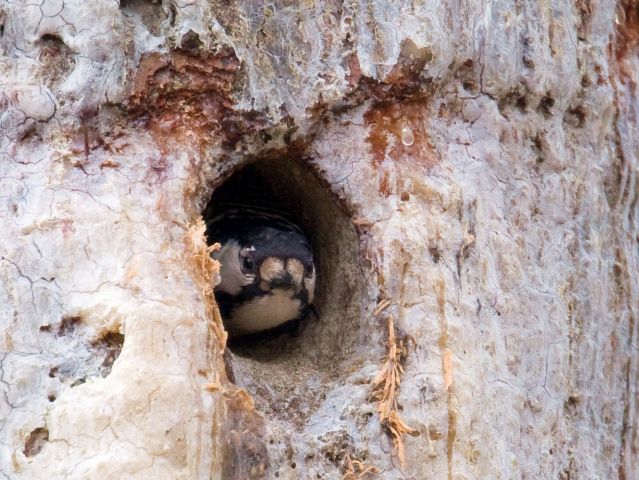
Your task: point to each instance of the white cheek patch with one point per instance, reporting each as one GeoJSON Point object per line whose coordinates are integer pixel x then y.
{"type": "Point", "coordinates": [232, 277]}
{"type": "Point", "coordinates": [271, 268]}
{"type": "Point", "coordinates": [309, 283]}
{"type": "Point", "coordinates": [265, 312]}
{"type": "Point", "coordinates": [295, 268]}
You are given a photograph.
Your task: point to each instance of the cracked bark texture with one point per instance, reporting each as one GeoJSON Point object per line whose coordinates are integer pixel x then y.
{"type": "Point", "coordinates": [486, 152]}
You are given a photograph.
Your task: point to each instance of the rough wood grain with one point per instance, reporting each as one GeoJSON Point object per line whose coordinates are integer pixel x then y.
{"type": "Point", "coordinates": [470, 165]}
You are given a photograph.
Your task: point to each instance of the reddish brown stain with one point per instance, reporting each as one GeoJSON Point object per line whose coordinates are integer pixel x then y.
{"type": "Point", "coordinates": [184, 75]}
{"type": "Point", "coordinates": [84, 140]}
{"type": "Point", "coordinates": [35, 442]}
{"type": "Point", "coordinates": [354, 69]}
{"type": "Point", "coordinates": [406, 80]}
{"type": "Point", "coordinates": [109, 163]}
{"type": "Point", "coordinates": [384, 183]}
{"type": "Point", "coordinates": [410, 64]}
{"type": "Point", "coordinates": [187, 97]}
{"type": "Point", "coordinates": [386, 123]}
{"type": "Point", "coordinates": [627, 18]}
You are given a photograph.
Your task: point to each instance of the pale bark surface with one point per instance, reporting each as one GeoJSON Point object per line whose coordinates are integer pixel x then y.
{"type": "Point", "coordinates": [477, 166]}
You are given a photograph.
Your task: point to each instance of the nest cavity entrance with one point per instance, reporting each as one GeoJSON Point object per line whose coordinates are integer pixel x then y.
{"type": "Point", "coordinates": [286, 370]}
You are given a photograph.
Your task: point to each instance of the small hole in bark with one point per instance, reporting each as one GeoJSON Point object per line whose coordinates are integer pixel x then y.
{"type": "Point", "coordinates": [68, 325]}
{"type": "Point", "coordinates": [279, 367]}
{"type": "Point", "coordinates": [148, 12]}
{"type": "Point", "coordinates": [110, 346]}
{"type": "Point", "coordinates": [545, 105]}
{"type": "Point", "coordinates": [469, 86]}
{"type": "Point", "coordinates": [514, 100]}
{"type": "Point", "coordinates": [435, 253]}
{"type": "Point", "coordinates": [522, 104]}
{"type": "Point", "coordinates": [79, 381]}
{"type": "Point", "coordinates": [35, 441]}
{"type": "Point", "coordinates": [537, 148]}
{"type": "Point", "coordinates": [172, 14]}
{"type": "Point", "coordinates": [575, 117]}
{"type": "Point", "coordinates": [528, 62]}
{"type": "Point", "coordinates": [57, 59]}
{"type": "Point", "coordinates": [49, 38]}
{"type": "Point", "coordinates": [191, 42]}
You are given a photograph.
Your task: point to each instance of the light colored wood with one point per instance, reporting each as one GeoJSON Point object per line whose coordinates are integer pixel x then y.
{"type": "Point", "coordinates": [468, 170]}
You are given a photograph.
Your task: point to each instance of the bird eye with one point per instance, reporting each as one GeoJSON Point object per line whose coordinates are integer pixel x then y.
{"type": "Point", "coordinates": [248, 265]}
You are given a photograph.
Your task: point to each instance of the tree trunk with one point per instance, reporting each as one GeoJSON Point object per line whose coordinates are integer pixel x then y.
{"type": "Point", "coordinates": [467, 172]}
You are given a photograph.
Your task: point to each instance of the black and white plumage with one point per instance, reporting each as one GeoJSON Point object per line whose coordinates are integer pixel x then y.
{"type": "Point", "coordinates": [267, 269]}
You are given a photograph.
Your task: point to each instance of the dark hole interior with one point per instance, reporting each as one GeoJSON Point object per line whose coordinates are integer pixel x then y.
{"type": "Point", "coordinates": [256, 185]}
{"type": "Point", "coordinates": [287, 369]}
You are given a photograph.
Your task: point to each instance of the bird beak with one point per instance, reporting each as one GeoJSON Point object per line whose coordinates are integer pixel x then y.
{"type": "Point", "coordinates": [282, 281]}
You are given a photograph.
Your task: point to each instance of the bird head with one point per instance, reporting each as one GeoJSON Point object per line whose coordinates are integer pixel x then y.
{"type": "Point", "coordinates": [271, 259]}
{"type": "Point", "coordinates": [267, 271]}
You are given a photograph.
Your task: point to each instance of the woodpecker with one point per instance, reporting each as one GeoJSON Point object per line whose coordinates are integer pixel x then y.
{"type": "Point", "coordinates": [267, 268]}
